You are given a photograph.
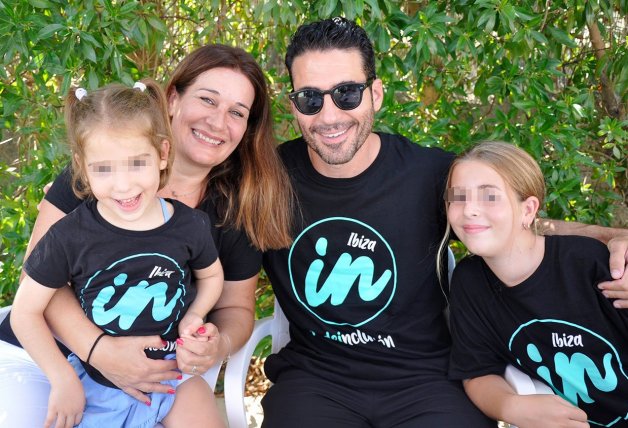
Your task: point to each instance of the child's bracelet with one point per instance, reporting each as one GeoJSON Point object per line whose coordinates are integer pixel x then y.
{"type": "Point", "coordinates": [94, 346]}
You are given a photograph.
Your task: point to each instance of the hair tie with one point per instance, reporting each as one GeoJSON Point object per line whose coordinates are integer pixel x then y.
{"type": "Point", "coordinates": [80, 93]}
{"type": "Point", "coordinates": [140, 86]}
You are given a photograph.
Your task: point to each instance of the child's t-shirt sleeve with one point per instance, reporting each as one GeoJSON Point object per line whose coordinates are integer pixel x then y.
{"type": "Point", "coordinates": [474, 352]}
{"type": "Point", "coordinates": [48, 263]}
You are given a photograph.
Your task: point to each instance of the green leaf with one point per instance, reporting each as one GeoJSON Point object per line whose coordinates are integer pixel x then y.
{"type": "Point", "coordinates": [509, 16]}
{"type": "Point", "coordinates": [375, 10]}
{"type": "Point", "coordinates": [67, 82]}
{"type": "Point", "coordinates": [348, 7]}
{"type": "Point", "coordinates": [157, 24]}
{"type": "Point", "coordinates": [326, 8]}
{"type": "Point", "coordinates": [128, 7]}
{"type": "Point", "coordinates": [523, 15]}
{"type": "Point", "coordinates": [89, 38]}
{"type": "Point", "coordinates": [92, 78]}
{"type": "Point", "coordinates": [382, 39]}
{"type": "Point", "coordinates": [49, 30]}
{"type": "Point", "coordinates": [561, 37]}
{"type": "Point", "coordinates": [41, 4]}
{"type": "Point", "coordinates": [539, 37]}
{"type": "Point", "coordinates": [617, 152]}
{"type": "Point", "coordinates": [88, 52]}
{"type": "Point", "coordinates": [524, 104]}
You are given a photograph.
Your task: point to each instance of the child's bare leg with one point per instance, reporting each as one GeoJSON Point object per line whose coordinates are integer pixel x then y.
{"type": "Point", "coordinates": [194, 406]}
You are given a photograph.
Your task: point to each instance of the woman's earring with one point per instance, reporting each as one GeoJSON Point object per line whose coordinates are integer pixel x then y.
{"type": "Point", "coordinates": [525, 226]}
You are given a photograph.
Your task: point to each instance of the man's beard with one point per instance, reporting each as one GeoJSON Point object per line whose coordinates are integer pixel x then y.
{"type": "Point", "coordinates": [347, 149]}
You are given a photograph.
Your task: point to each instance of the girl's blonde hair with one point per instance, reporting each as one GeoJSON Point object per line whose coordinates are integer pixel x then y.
{"type": "Point", "coordinates": [142, 109]}
{"type": "Point", "coordinates": [517, 168]}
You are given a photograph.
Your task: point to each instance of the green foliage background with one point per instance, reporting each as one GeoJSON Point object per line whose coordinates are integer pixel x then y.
{"type": "Point", "coordinates": [550, 76]}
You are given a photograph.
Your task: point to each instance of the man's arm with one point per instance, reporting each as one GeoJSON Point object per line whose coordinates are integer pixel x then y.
{"type": "Point", "coordinates": [559, 227]}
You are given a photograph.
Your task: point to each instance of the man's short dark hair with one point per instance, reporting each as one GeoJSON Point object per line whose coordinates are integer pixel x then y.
{"type": "Point", "coordinates": [332, 33]}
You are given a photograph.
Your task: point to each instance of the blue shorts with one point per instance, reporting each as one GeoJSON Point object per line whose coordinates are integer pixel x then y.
{"type": "Point", "coordinates": [111, 407]}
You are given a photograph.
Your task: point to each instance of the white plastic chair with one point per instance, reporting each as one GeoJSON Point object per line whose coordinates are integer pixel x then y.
{"type": "Point", "coordinates": [524, 384]}
{"type": "Point", "coordinates": [275, 326]}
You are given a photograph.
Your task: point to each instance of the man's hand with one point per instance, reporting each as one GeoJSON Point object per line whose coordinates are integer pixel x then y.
{"type": "Point", "coordinates": [618, 287]}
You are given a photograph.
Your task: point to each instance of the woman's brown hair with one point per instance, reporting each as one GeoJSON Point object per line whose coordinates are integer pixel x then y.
{"type": "Point", "coordinates": [251, 186]}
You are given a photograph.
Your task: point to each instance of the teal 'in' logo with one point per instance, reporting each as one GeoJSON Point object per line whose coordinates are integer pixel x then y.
{"type": "Point", "coordinates": [339, 263]}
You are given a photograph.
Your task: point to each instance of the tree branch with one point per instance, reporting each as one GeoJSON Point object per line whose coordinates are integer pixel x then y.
{"type": "Point", "coordinates": [547, 9]}
{"type": "Point", "coordinates": [609, 98]}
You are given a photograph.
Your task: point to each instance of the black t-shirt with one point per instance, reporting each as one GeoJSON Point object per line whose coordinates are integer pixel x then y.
{"type": "Point", "coordinates": [129, 283]}
{"type": "Point", "coordinates": [240, 260]}
{"type": "Point", "coordinates": [359, 283]}
{"type": "Point", "coordinates": [556, 326]}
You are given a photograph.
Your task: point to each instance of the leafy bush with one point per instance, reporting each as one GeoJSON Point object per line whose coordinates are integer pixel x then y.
{"type": "Point", "coordinates": [551, 77]}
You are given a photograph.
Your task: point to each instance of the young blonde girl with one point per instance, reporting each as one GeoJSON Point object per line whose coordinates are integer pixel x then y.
{"type": "Point", "coordinates": [129, 256]}
{"type": "Point", "coordinates": [529, 300]}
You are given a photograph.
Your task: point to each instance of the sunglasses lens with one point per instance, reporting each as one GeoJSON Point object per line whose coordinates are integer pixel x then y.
{"type": "Point", "coordinates": [308, 101]}
{"type": "Point", "coordinates": [348, 97]}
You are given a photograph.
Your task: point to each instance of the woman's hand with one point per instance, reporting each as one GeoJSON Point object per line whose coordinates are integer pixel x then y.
{"type": "Point", "coordinates": [197, 352]}
{"type": "Point", "coordinates": [122, 360]}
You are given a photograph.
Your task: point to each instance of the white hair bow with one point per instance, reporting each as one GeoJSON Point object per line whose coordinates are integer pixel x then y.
{"type": "Point", "coordinates": [80, 93]}
{"type": "Point", "coordinates": [140, 86]}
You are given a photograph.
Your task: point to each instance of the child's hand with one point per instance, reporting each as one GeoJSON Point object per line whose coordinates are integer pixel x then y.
{"type": "Point", "coordinates": [547, 411]}
{"type": "Point", "coordinates": [197, 347]}
{"type": "Point", "coordinates": [66, 403]}
{"type": "Point", "coordinates": [189, 326]}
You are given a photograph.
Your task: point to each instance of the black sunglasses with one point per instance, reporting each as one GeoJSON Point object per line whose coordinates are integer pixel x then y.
{"type": "Point", "coordinates": [346, 96]}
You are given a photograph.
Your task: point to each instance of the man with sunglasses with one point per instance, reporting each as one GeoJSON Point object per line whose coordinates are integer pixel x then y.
{"type": "Point", "coordinates": [369, 342]}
